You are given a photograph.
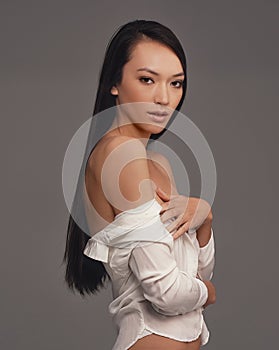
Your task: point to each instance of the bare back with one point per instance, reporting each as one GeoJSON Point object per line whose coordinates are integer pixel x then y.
{"type": "Point", "coordinates": [105, 210]}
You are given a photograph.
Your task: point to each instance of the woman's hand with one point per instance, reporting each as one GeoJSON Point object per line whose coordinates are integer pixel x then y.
{"type": "Point", "coordinates": [190, 212]}
{"type": "Point", "coordinates": [211, 299]}
{"type": "Point", "coordinates": [211, 293]}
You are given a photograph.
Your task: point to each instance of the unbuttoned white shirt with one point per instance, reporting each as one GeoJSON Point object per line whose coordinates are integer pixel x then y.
{"type": "Point", "coordinates": [154, 277]}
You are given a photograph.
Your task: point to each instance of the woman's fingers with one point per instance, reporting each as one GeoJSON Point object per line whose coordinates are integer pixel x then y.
{"type": "Point", "coordinates": [169, 213]}
{"type": "Point", "coordinates": [181, 230]}
{"type": "Point", "coordinates": [175, 224]}
{"type": "Point", "coordinates": [187, 213]}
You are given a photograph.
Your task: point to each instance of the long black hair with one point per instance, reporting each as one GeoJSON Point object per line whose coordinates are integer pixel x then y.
{"type": "Point", "coordinates": [84, 274]}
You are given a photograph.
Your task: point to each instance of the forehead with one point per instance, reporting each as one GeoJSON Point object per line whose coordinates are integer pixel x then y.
{"type": "Point", "coordinates": [156, 56]}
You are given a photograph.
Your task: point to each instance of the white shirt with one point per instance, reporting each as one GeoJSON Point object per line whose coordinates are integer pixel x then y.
{"type": "Point", "coordinates": [154, 284]}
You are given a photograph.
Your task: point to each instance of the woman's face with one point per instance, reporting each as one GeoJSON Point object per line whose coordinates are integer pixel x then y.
{"type": "Point", "coordinates": [151, 82]}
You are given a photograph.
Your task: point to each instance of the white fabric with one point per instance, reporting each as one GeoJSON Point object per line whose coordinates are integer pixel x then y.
{"type": "Point", "coordinates": [154, 282]}
{"type": "Point", "coordinates": [127, 229]}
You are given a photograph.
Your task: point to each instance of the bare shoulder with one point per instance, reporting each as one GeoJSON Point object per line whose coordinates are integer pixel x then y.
{"type": "Point", "coordinates": [126, 177]}
{"type": "Point", "coordinates": [118, 174]}
{"type": "Point", "coordinates": [120, 144]}
{"type": "Point", "coordinates": [124, 149]}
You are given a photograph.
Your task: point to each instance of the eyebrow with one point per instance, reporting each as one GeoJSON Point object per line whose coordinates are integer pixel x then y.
{"type": "Point", "coordinates": [155, 73]}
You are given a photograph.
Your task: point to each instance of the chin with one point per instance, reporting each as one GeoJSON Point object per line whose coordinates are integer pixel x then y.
{"type": "Point", "coordinates": [157, 130]}
{"type": "Point", "coordinates": [154, 129]}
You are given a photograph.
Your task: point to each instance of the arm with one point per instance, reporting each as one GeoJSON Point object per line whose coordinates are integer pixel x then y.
{"type": "Point", "coordinates": [205, 237]}
{"type": "Point", "coordinates": [170, 290]}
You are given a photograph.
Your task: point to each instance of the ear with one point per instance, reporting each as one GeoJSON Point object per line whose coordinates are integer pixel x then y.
{"type": "Point", "coordinates": [114, 91]}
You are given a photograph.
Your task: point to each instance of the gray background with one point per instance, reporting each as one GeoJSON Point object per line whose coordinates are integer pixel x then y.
{"type": "Point", "coordinates": [51, 54]}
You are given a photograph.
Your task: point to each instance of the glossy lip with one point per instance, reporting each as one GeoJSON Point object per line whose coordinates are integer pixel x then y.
{"type": "Point", "coordinates": [158, 118]}
{"type": "Point", "coordinates": [159, 113]}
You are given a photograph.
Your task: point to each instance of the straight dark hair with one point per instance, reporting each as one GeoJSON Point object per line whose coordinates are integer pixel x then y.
{"type": "Point", "coordinates": [84, 274]}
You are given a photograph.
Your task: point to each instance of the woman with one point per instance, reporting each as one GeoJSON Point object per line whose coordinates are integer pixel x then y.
{"type": "Point", "coordinates": [144, 78]}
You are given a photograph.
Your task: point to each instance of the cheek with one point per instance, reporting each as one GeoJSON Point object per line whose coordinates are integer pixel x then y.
{"type": "Point", "coordinates": [135, 93]}
{"type": "Point", "coordinates": [125, 95]}
{"type": "Point", "coordinates": [132, 92]}
{"type": "Point", "coordinates": [176, 99]}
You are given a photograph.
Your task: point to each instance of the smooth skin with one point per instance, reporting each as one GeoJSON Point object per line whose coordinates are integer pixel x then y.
{"type": "Point", "coordinates": [148, 78]}
{"type": "Point", "coordinates": [153, 75]}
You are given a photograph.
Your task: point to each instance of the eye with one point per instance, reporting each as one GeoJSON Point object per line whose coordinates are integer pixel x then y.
{"type": "Point", "coordinates": [145, 79]}
{"type": "Point", "coordinates": [179, 82]}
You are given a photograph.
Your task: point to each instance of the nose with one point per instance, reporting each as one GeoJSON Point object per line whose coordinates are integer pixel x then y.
{"type": "Point", "coordinates": [161, 95]}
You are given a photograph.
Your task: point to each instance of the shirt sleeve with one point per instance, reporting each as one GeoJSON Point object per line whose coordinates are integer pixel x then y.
{"type": "Point", "coordinates": [151, 259]}
{"type": "Point", "coordinates": [207, 259]}
{"type": "Point", "coordinates": [170, 290]}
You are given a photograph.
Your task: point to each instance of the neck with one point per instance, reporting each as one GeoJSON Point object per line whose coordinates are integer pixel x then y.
{"type": "Point", "coordinates": [121, 127]}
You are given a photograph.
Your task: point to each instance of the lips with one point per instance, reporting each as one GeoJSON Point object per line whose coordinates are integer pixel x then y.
{"type": "Point", "coordinates": [159, 114]}
{"type": "Point", "coordinates": [158, 117]}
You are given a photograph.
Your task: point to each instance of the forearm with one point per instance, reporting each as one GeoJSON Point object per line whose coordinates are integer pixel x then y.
{"type": "Point", "coordinates": [170, 290]}
{"type": "Point", "coordinates": [204, 233]}
{"type": "Point", "coordinates": [207, 252]}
